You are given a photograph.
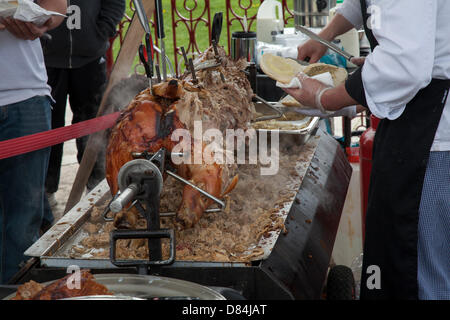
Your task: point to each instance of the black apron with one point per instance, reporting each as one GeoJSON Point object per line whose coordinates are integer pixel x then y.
{"type": "Point", "coordinates": [400, 158]}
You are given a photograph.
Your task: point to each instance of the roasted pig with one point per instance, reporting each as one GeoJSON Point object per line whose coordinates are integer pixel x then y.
{"type": "Point", "coordinates": [149, 120]}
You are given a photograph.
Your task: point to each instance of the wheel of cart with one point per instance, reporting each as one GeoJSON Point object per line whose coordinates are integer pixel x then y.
{"type": "Point", "coordinates": [340, 284]}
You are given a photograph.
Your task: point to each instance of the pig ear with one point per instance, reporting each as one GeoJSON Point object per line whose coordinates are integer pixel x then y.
{"type": "Point", "coordinates": [231, 186]}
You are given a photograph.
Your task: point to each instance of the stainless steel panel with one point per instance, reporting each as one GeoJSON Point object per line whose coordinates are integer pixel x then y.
{"type": "Point", "coordinates": [312, 13]}
{"type": "Point", "coordinates": [243, 45]}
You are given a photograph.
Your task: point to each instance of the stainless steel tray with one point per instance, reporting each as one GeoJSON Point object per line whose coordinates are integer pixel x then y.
{"type": "Point", "coordinates": [306, 127]}
{"type": "Point", "coordinates": [54, 246]}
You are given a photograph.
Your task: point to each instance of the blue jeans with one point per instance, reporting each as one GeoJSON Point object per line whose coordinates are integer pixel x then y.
{"type": "Point", "coordinates": [22, 183]}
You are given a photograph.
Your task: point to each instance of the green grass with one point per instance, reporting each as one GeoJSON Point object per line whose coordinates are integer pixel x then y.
{"type": "Point", "coordinates": [202, 37]}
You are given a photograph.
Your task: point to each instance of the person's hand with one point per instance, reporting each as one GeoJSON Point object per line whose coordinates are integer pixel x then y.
{"type": "Point", "coordinates": [311, 49]}
{"type": "Point", "coordinates": [358, 61]}
{"type": "Point", "coordinates": [23, 30]}
{"type": "Point", "coordinates": [2, 27]}
{"type": "Point", "coordinates": [311, 92]}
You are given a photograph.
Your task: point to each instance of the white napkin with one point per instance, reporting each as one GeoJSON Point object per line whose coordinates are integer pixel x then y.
{"type": "Point", "coordinates": [325, 78]}
{"type": "Point", "coordinates": [26, 11]}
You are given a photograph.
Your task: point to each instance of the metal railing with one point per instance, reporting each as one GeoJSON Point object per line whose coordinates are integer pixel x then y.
{"type": "Point", "coordinates": [194, 18]}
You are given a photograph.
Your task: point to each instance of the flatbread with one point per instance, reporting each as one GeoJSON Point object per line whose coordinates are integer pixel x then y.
{"type": "Point", "coordinates": [283, 70]}
{"type": "Point", "coordinates": [339, 74]}
{"type": "Point", "coordinates": [279, 68]}
{"type": "Point", "coordinates": [290, 101]}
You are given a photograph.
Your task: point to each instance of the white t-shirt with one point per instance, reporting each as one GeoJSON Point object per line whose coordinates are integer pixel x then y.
{"type": "Point", "coordinates": [414, 48]}
{"type": "Point", "coordinates": [22, 69]}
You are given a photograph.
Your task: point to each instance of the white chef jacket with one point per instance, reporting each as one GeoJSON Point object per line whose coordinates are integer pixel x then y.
{"type": "Point", "coordinates": [414, 48]}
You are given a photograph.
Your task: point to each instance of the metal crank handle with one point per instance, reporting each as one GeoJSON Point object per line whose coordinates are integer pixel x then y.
{"type": "Point", "coordinates": [108, 209]}
{"type": "Point", "coordinates": [206, 194]}
{"type": "Point", "coordinates": [124, 198]}
{"type": "Point", "coordinates": [144, 154]}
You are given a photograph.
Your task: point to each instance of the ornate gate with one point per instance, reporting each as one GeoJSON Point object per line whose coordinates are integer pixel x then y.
{"type": "Point", "coordinates": [194, 18]}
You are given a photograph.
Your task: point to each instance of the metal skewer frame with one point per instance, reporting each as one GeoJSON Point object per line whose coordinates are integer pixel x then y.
{"type": "Point", "coordinates": [158, 73]}
{"type": "Point", "coordinates": [186, 61]}
{"type": "Point", "coordinates": [129, 192]}
{"type": "Point", "coordinates": [218, 59]}
{"type": "Point", "coordinates": [161, 35]}
{"type": "Point", "coordinates": [206, 194]}
{"type": "Point", "coordinates": [192, 70]}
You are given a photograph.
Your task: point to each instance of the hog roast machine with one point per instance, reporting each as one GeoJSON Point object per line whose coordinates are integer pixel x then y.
{"type": "Point", "coordinates": [293, 257]}
{"type": "Point", "coordinates": [295, 261]}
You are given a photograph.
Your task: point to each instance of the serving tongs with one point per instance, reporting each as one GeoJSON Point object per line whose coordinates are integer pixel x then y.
{"type": "Point", "coordinates": [161, 35]}
{"type": "Point", "coordinates": [326, 43]}
{"type": "Point", "coordinates": [279, 113]}
{"type": "Point", "coordinates": [146, 56]}
{"type": "Point", "coordinates": [280, 110]}
{"type": "Point", "coordinates": [147, 52]}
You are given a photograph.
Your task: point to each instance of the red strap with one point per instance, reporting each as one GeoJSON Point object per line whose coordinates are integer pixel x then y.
{"type": "Point", "coordinates": [18, 146]}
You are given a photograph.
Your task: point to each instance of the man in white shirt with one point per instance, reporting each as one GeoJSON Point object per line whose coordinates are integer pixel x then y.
{"type": "Point", "coordinates": [24, 110]}
{"type": "Point", "coordinates": [405, 82]}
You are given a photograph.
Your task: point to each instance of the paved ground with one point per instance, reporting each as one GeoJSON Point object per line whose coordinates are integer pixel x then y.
{"type": "Point", "coordinates": [68, 173]}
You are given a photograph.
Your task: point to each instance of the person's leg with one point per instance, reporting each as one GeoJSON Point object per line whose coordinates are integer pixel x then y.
{"type": "Point", "coordinates": [22, 183]}
{"type": "Point", "coordinates": [434, 230]}
{"type": "Point", "coordinates": [57, 79]}
{"type": "Point", "coordinates": [87, 86]}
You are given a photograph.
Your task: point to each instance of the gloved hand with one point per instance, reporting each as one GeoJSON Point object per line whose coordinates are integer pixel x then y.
{"type": "Point", "coordinates": [310, 93]}
{"type": "Point", "coordinates": [349, 112]}
{"type": "Point", "coordinates": [311, 49]}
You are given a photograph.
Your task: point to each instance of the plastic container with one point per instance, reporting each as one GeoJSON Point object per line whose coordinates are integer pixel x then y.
{"type": "Point", "coordinates": [269, 21]}
{"type": "Point", "coordinates": [349, 40]}
{"type": "Point", "coordinates": [353, 154]}
{"type": "Point", "coordinates": [334, 58]}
